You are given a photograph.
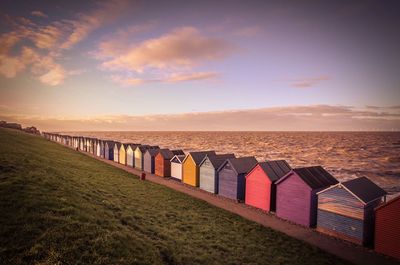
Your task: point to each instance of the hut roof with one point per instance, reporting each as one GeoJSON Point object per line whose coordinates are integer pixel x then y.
{"type": "Point", "coordinates": [199, 156]}
{"type": "Point", "coordinates": [217, 160]}
{"type": "Point", "coordinates": [178, 152]}
{"type": "Point", "coordinates": [152, 151]}
{"type": "Point", "coordinates": [388, 203]}
{"type": "Point", "coordinates": [126, 145]}
{"type": "Point", "coordinates": [133, 146]}
{"type": "Point", "coordinates": [166, 153]}
{"type": "Point", "coordinates": [275, 169]}
{"type": "Point", "coordinates": [109, 142]}
{"type": "Point", "coordinates": [315, 177]}
{"type": "Point", "coordinates": [364, 189]}
{"type": "Point", "coordinates": [118, 144]}
{"type": "Point", "coordinates": [242, 165]}
{"type": "Point", "coordinates": [178, 158]}
{"type": "Point", "coordinates": [143, 148]}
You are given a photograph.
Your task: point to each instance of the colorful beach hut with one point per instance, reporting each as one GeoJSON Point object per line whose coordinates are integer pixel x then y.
{"type": "Point", "coordinates": [109, 150]}
{"type": "Point", "coordinates": [346, 210]}
{"type": "Point", "coordinates": [296, 194]}
{"type": "Point", "coordinates": [208, 174]}
{"type": "Point", "coordinates": [176, 166]}
{"type": "Point", "coordinates": [130, 154]}
{"type": "Point", "coordinates": [231, 176]}
{"type": "Point", "coordinates": [122, 153]}
{"type": "Point", "coordinates": [117, 146]}
{"type": "Point", "coordinates": [100, 148]}
{"type": "Point", "coordinates": [139, 155]}
{"type": "Point", "coordinates": [190, 167]}
{"type": "Point", "coordinates": [260, 184]}
{"type": "Point", "coordinates": [149, 160]}
{"type": "Point", "coordinates": [163, 161]}
{"type": "Point", "coordinates": [139, 152]}
{"type": "Point", "coordinates": [387, 228]}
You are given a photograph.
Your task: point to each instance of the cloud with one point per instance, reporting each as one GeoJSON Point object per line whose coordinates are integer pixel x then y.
{"type": "Point", "coordinates": [308, 82]}
{"type": "Point", "coordinates": [192, 76]}
{"type": "Point", "coordinates": [86, 23]}
{"type": "Point", "coordinates": [50, 41]}
{"type": "Point", "coordinates": [171, 57]}
{"type": "Point", "coordinates": [289, 118]}
{"type": "Point", "coordinates": [173, 78]}
{"type": "Point", "coordinates": [181, 48]}
{"type": "Point", "coordinates": [38, 13]}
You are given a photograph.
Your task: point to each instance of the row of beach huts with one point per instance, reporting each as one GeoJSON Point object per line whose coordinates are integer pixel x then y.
{"type": "Point", "coordinates": [354, 210]}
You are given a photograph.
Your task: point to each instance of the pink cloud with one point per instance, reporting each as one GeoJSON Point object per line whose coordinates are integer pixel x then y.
{"type": "Point", "coordinates": [38, 13]}
{"type": "Point", "coordinates": [290, 118]}
{"type": "Point", "coordinates": [86, 23]}
{"type": "Point", "coordinates": [171, 57]}
{"type": "Point", "coordinates": [50, 41]}
{"type": "Point", "coordinates": [181, 48]}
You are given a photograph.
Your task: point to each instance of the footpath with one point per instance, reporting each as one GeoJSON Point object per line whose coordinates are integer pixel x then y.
{"type": "Point", "coordinates": [345, 250]}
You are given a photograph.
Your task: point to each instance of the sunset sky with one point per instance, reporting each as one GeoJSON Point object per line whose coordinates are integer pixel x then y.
{"type": "Point", "coordinates": [204, 65]}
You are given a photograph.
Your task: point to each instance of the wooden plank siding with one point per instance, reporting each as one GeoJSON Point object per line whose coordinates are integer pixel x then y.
{"type": "Point", "coordinates": [208, 177]}
{"type": "Point", "coordinates": [340, 201]}
{"type": "Point", "coordinates": [259, 190]}
{"type": "Point", "coordinates": [176, 168]}
{"type": "Point", "coordinates": [343, 214]}
{"type": "Point", "coordinates": [116, 152]}
{"type": "Point", "coordinates": [190, 172]}
{"type": "Point", "coordinates": [138, 159]}
{"type": "Point", "coordinates": [228, 182]}
{"type": "Point", "coordinates": [387, 228]}
{"type": "Point", "coordinates": [109, 151]}
{"type": "Point", "coordinates": [340, 226]}
{"type": "Point", "coordinates": [130, 156]}
{"type": "Point", "coordinates": [162, 165]}
{"type": "Point", "coordinates": [122, 155]}
{"type": "Point", "coordinates": [149, 160]}
{"type": "Point", "coordinates": [293, 201]}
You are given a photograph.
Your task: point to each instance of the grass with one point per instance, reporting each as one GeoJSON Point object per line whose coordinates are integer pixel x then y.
{"type": "Point", "coordinates": [61, 207]}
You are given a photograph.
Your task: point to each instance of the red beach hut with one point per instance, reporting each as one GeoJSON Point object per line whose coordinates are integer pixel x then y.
{"type": "Point", "coordinates": [387, 228]}
{"type": "Point", "coordinates": [163, 163]}
{"type": "Point", "coordinates": [260, 184]}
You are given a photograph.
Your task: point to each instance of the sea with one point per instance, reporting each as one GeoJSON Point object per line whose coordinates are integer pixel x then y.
{"type": "Point", "coordinates": [346, 155]}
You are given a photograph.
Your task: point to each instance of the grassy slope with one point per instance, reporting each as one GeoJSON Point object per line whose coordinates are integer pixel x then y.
{"type": "Point", "coordinates": [58, 206]}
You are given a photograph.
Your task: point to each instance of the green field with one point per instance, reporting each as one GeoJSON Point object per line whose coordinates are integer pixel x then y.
{"type": "Point", "coordinates": [61, 207]}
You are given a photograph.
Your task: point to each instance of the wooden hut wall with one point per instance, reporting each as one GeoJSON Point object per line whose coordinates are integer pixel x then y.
{"type": "Point", "coordinates": [190, 171]}
{"type": "Point", "coordinates": [387, 228]}
{"type": "Point", "coordinates": [130, 157]}
{"type": "Point", "coordinates": [293, 200]}
{"type": "Point", "coordinates": [176, 168]}
{"type": "Point", "coordinates": [98, 149]}
{"type": "Point", "coordinates": [162, 166]}
{"type": "Point", "coordinates": [138, 159]}
{"type": "Point", "coordinates": [230, 184]}
{"type": "Point", "coordinates": [116, 153]}
{"type": "Point", "coordinates": [208, 176]}
{"type": "Point", "coordinates": [149, 162]}
{"type": "Point", "coordinates": [109, 151]}
{"type": "Point", "coordinates": [341, 214]}
{"type": "Point", "coordinates": [122, 155]}
{"type": "Point", "coordinates": [259, 190]}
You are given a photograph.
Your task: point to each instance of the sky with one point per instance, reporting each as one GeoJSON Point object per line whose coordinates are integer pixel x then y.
{"type": "Point", "coordinates": [201, 65]}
